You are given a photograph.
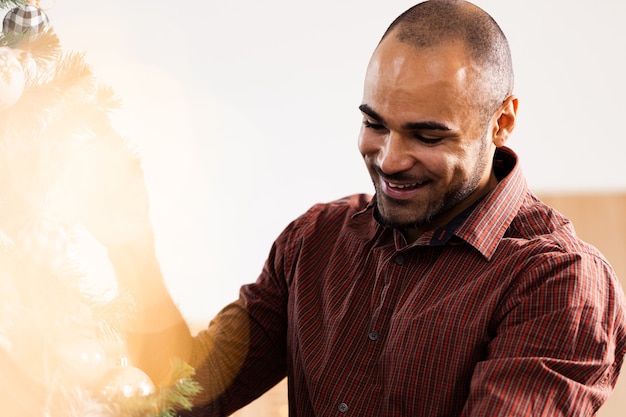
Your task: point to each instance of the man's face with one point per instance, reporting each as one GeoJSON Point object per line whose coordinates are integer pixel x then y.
{"type": "Point", "coordinates": [425, 144]}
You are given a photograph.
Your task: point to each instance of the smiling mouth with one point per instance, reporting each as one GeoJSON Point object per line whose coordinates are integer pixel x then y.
{"type": "Point", "coordinates": [404, 186]}
{"type": "Point", "coordinates": [397, 191]}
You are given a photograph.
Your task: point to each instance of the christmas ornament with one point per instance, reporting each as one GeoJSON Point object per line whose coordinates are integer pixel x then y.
{"type": "Point", "coordinates": [12, 79]}
{"type": "Point", "coordinates": [126, 381]}
{"type": "Point", "coordinates": [27, 18]}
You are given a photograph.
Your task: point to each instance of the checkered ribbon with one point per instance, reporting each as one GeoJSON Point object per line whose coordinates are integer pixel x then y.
{"type": "Point", "coordinates": [24, 19]}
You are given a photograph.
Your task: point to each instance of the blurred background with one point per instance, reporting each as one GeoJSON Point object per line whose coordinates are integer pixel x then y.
{"type": "Point", "coordinates": [246, 114]}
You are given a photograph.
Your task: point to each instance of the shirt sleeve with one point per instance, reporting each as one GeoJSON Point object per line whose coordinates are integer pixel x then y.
{"type": "Point", "coordinates": [558, 341]}
{"type": "Point", "coordinates": [242, 353]}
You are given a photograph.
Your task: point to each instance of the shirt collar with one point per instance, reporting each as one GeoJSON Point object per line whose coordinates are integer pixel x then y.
{"type": "Point", "coordinates": [489, 221]}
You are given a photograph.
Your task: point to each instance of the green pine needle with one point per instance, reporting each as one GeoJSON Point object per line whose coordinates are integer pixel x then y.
{"type": "Point", "coordinates": [9, 4]}
{"type": "Point", "coordinates": [180, 392]}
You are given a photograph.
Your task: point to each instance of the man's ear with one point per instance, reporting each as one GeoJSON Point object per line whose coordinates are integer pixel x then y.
{"type": "Point", "coordinates": [505, 121]}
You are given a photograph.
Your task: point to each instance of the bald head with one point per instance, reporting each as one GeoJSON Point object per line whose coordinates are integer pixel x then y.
{"type": "Point", "coordinates": [435, 22]}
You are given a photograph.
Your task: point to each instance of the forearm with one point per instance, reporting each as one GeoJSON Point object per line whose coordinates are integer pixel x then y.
{"type": "Point", "coordinates": [237, 358]}
{"type": "Point", "coordinates": [537, 386]}
{"type": "Point", "coordinates": [158, 332]}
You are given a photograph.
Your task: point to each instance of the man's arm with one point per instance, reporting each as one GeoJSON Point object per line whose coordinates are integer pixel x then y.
{"type": "Point", "coordinates": [559, 341]}
{"type": "Point", "coordinates": [111, 199]}
{"type": "Point", "coordinates": [158, 332]}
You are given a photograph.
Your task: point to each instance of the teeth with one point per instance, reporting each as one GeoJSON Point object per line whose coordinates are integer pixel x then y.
{"type": "Point", "coordinates": [401, 186]}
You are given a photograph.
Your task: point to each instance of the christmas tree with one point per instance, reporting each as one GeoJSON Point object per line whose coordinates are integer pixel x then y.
{"type": "Point", "coordinates": [62, 350]}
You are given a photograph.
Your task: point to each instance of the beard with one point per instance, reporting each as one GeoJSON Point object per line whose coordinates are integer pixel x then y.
{"type": "Point", "coordinates": [405, 215]}
{"type": "Point", "coordinates": [427, 215]}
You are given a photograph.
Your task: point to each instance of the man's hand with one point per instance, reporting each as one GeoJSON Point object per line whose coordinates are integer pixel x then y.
{"type": "Point", "coordinates": [104, 189]}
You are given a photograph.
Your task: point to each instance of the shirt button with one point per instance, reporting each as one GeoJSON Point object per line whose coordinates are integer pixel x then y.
{"type": "Point", "coordinates": [343, 407]}
{"type": "Point", "coordinates": [399, 260]}
{"type": "Point", "coordinates": [373, 335]}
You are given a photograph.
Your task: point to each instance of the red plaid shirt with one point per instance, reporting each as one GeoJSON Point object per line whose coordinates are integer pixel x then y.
{"type": "Point", "coordinates": [504, 312]}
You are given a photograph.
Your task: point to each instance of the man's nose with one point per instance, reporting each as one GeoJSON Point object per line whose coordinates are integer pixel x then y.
{"type": "Point", "coordinates": [395, 155]}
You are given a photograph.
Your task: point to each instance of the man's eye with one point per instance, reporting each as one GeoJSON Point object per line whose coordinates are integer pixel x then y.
{"type": "Point", "coordinates": [427, 140]}
{"type": "Point", "coordinates": [374, 126]}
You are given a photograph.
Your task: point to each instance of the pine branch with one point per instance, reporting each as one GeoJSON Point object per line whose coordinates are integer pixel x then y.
{"type": "Point", "coordinates": [44, 47]}
{"type": "Point", "coordinates": [71, 69]}
{"type": "Point", "coordinates": [164, 402]}
{"type": "Point", "coordinates": [178, 395]}
{"type": "Point", "coordinates": [62, 107]}
{"type": "Point", "coordinates": [107, 99]}
{"type": "Point", "coordinates": [8, 4]}
{"type": "Point", "coordinates": [113, 317]}
{"type": "Point", "coordinates": [11, 39]}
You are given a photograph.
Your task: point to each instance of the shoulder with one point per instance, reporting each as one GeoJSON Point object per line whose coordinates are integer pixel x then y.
{"type": "Point", "coordinates": [541, 244]}
{"type": "Point", "coordinates": [329, 219]}
{"type": "Point", "coordinates": [336, 212]}
{"type": "Point", "coordinates": [321, 227]}
{"type": "Point", "coordinates": [544, 250]}
{"type": "Point", "coordinates": [541, 225]}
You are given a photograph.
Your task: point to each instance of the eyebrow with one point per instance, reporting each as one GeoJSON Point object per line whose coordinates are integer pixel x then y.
{"type": "Point", "coordinates": [429, 125]}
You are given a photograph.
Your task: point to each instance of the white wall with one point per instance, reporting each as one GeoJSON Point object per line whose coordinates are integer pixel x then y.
{"type": "Point", "coordinates": [247, 111]}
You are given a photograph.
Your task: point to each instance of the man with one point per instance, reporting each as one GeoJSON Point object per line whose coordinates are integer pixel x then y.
{"type": "Point", "coordinates": [452, 292]}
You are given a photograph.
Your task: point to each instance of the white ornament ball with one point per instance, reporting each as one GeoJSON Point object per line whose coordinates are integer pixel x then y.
{"type": "Point", "coordinates": [12, 78]}
{"type": "Point", "coordinates": [126, 381]}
